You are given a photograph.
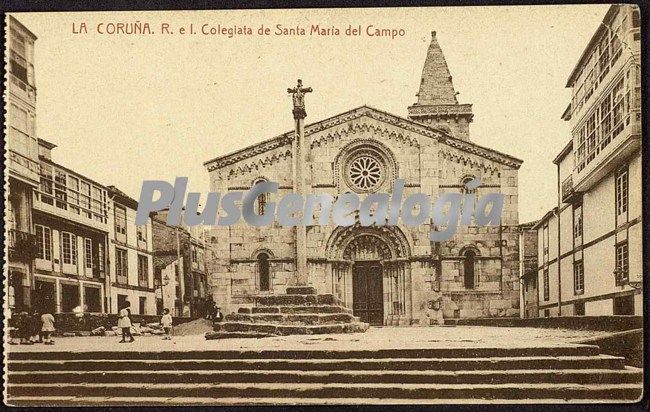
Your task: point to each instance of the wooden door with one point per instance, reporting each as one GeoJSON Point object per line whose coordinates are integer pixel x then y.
{"type": "Point", "coordinates": [367, 292]}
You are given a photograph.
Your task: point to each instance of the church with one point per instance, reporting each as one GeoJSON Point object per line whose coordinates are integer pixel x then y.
{"type": "Point", "coordinates": [391, 274]}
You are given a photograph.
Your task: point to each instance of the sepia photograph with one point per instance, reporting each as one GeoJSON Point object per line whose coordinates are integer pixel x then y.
{"type": "Point", "coordinates": [332, 206]}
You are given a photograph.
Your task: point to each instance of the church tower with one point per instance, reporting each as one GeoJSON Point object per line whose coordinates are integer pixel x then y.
{"type": "Point", "coordinates": [437, 105]}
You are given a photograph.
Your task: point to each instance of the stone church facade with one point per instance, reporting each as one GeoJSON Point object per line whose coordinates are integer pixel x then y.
{"type": "Point", "coordinates": [390, 275]}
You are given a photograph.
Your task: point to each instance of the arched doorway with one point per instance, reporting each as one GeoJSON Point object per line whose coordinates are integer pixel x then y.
{"type": "Point", "coordinates": [370, 271]}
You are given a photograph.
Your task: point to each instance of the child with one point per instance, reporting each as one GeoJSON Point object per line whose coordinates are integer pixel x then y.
{"type": "Point", "coordinates": [24, 328]}
{"type": "Point", "coordinates": [124, 322]}
{"type": "Point", "coordinates": [166, 322]}
{"type": "Point", "coordinates": [48, 327]}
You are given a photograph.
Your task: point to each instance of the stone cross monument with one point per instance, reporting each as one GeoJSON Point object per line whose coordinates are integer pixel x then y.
{"type": "Point", "coordinates": [300, 170]}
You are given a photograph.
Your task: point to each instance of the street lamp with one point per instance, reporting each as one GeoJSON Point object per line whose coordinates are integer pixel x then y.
{"type": "Point", "coordinates": [618, 275]}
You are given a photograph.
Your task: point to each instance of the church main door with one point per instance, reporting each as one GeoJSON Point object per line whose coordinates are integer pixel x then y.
{"type": "Point", "coordinates": [367, 292]}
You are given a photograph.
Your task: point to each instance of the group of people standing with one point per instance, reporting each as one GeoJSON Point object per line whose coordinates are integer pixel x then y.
{"type": "Point", "coordinates": [32, 327]}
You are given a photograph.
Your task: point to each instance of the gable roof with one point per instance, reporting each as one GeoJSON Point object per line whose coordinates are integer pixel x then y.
{"type": "Point", "coordinates": [407, 124]}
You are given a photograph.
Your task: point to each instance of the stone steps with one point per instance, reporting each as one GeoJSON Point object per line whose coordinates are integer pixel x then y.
{"type": "Point", "coordinates": [224, 377]}
{"type": "Point", "coordinates": [397, 364]}
{"type": "Point", "coordinates": [281, 329]}
{"type": "Point", "coordinates": [578, 376]}
{"type": "Point", "coordinates": [301, 311]}
{"type": "Point", "coordinates": [320, 355]}
{"type": "Point", "coordinates": [297, 318]}
{"type": "Point", "coordinates": [166, 401]}
{"type": "Point", "coordinates": [341, 391]}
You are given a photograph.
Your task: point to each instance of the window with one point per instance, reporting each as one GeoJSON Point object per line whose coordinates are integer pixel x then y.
{"type": "Point", "coordinates": [263, 271]}
{"type": "Point", "coordinates": [365, 172]}
{"type": "Point", "coordinates": [60, 189]}
{"type": "Point", "coordinates": [603, 58]}
{"type": "Point", "coordinates": [261, 200]}
{"type": "Point", "coordinates": [577, 224]}
{"type": "Point", "coordinates": [88, 252]}
{"type": "Point", "coordinates": [578, 278]}
{"type": "Point", "coordinates": [69, 248]}
{"type": "Point", "coordinates": [44, 245]}
{"type": "Point", "coordinates": [195, 257]}
{"type": "Point", "coordinates": [622, 263]}
{"type": "Point", "coordinates": [621, 191]}
{"type": "Point", "coordinates": [546, 284]}
{"type": "Point", "coordinates": [18, 56]}
{"type": "Point", "coordinates": [143, 271]}
{"type": "Point", "coordinates": [468, 269]}
{"type": "Point", "coordinates": [47, 185]}
{"type": "Point", "coordinates": [142, 233]}
{"type": "Point", "coordinates": [100, 258]}
{"type": "Point", "coordinates": [84, 199]}
{"type": "Point", "coordinates": [120, 223]}
{"type": "Point", "coordinates": [73, 194]}
{"type": "Point", "coordinates": [579, 308]}
{"type": "Point", "coordinates": [545, 242]}
{"type": "Point", "coordinates": [121, 266]}
{"type": "Point", "coordinates": [636, 18]}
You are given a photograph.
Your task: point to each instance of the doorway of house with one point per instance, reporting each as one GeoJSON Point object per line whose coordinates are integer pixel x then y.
{"type": "Point", "coordinates": [69, 297]}
{"type": "Point", "coordinates": [367, 292]}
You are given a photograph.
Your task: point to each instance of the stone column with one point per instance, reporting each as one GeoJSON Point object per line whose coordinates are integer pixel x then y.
{"type": "Point", "coordinates": [300, 150]}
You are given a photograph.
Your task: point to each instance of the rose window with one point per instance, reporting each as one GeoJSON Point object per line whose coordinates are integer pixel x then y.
{"type": "Point", "coordinates": [365, 172]}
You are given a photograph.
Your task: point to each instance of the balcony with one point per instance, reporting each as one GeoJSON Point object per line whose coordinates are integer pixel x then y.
{"type": "Point", "coordinates": [609, 154]}
{"type": "Point", "coordinates": [22, 246]}
{"type": "Point", "coordinates": [22, 167]}
{"type": "Point", "coordinates": [569, 193]}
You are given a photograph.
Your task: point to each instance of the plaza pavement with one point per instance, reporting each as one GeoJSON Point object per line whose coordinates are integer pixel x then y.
{"type": "Point", "coordinates": [374, 338]}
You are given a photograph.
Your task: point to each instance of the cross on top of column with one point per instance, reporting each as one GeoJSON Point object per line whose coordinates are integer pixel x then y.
{"type": "Point", "coordinates": [298, 93]}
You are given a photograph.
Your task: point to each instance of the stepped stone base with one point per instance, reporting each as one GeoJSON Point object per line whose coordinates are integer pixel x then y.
{"type": "Point", "coordinates": [301, 311]}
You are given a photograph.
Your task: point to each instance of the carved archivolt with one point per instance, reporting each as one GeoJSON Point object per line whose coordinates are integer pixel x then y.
{"type": "Point", "coordinates": [386, 242]}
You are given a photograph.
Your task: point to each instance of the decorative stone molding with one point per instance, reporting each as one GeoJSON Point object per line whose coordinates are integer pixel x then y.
{"type": "Point", "coordinates": [259, 163]}
{"type": "Point", "coordinates": [465, 160]}
{"type": "Point", "coordinates": [399, 122]}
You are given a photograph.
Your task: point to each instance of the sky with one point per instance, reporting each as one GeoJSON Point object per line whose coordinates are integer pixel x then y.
{"type": "Point", "coordinates": [125, 108]}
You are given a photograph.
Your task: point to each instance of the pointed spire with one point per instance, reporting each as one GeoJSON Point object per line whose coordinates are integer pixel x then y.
{"type": "Point", "coordinates": [436, 86]}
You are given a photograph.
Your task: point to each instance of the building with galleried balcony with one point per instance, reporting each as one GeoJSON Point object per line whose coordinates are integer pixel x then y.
{"type": "Point", "coordinates": [21, 164]}
{"type": "Point", "coordinates": [590, 245]}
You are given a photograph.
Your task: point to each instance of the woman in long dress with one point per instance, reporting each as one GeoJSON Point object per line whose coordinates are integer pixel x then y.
{"type": "Point", "coordinates": [124, 322]}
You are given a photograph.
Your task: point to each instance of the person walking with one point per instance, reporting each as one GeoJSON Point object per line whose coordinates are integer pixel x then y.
{"type": "Point", "coordinates": [167, 324]}
{"type": "Point", "coordinates": [124, 322]}
{"type": "Point", "coordinates": [47, 320]}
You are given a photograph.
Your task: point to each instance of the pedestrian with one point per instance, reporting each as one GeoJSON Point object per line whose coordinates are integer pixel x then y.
{"type": "Point", "coordinates": [167, 324]}
{"type": "Point", "coordinates": [13, 330]}
{"type": "Point", "coordinates": [47, 327]}
{"type": "Point", "coordinates": [217, 316]}
{"type": "Point", "coordinates": [24, 328]}
{"type": "Point", "coordinates": [124, 323]}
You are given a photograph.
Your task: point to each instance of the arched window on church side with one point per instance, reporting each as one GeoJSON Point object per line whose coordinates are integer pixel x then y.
{"type": "Point", "coordinates": [263, 271]}
{"type": "Point", "coordinates": [468, 269]}
{"type": "Point", "coordinates": [464, 190]}
{"type": "Point", "coordinates": [261, 199]}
